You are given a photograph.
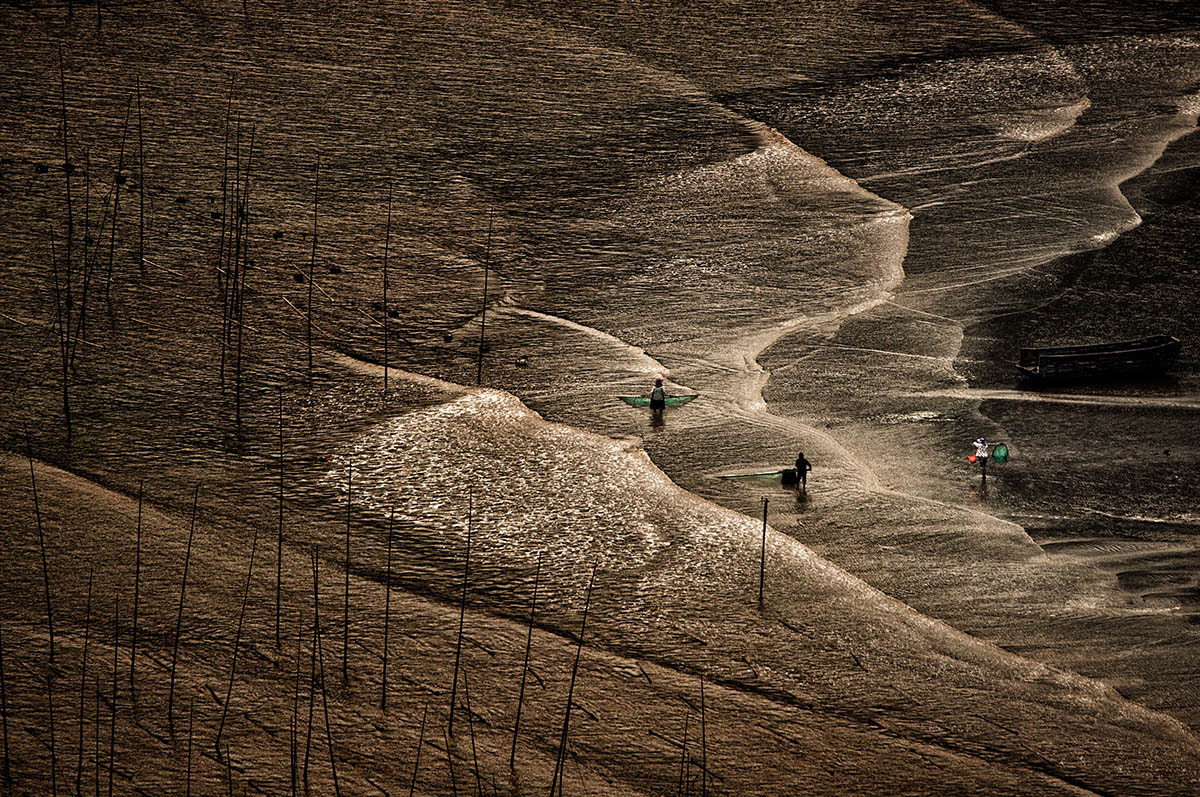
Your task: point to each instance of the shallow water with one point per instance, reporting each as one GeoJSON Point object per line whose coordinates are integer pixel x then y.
{"type": "Point", "coordinates": [834, 225]}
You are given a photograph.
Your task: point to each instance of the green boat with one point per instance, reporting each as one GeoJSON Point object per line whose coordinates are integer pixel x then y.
{"type": "Point", "coordinates": [644, 401]}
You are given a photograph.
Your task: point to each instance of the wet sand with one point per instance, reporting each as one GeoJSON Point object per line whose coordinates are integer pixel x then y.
{"type": "Point", "coordinates": [618, 252]}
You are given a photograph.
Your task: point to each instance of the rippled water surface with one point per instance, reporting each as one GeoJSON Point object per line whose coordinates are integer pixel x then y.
{"type": "Point", "coordinates": [836, 222]}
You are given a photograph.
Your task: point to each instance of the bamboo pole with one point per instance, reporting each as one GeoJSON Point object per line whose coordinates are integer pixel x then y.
{"type": "Point", "coordinates": [53, 747]}
{"type": "Point", "coordinates": [279, 539]}
{"type": "Point", "coordinates": [243, 267]}
{"type": "Point", "coordinates": [112, 235]}
{"type": "Point", "coordinates": [416, 764]}
{"type": "Point", "coordinates": [179, 617]}
{"type": "Point", "coordinates": [487, 262]}
{"type": "Point", "coordinates": [96, 741]}
{"type": "Point", "coordinates": [87, 627]}
{"type": "Point", "coordinates": [687, 715]}
{"type": "Point", "coordinates": [450, 763]}
{"type": "Point", "coordinates": [81, 329]}
{"type": "Point", "coordinates": [387, 611]}
{"type": "Point", "coordinates": [237, 641]}
{"type": "Point", "coordinates": [228, 769]}
{"type": "Point", "coordinates": [295, 739]}
{"type": "Point", "coordinates": [62, 322]}
{"type": "Point", "coordinates": [187, 788]}
{"type": "Point", "coordinates": [561, 763]}
{"type": "Point", "coordinates": [462, 613]}
{"type": "Point", "coordinates": [221, 281]}
{"type": "Point", "coordinates": [137, 579]}
{"type": "Point", "coordinates": [321, 662]}
{"type": "Point", "coordinates": [112, 727]}
{"type": "Point", "coordinates": [471, 729]}
{"type": "Point", "coordinates": [762, 562]}
{"type": "Point", "coordinates": [8, 778]}
{"type": "Point", "coordinates": [387, 240]}
{"type": "Point", "coordinates": [229, 295]}
{"type": "Point", "coordinates": [68, 307]}
{"type": "Point", "coordinates": [141, 181]}
{"type": "Point", "coordinates": [312, 263]}
{"type": "Point", "coordinates": [703, 744]}
{"type": "Point", "coordinates": [37, 510]}
{"type": "Point", "coordinates": [346, 592]}
{"type": "Point", "coordinates": [312, 699]}
{"type": "Point", "coordinates": [512, 757]}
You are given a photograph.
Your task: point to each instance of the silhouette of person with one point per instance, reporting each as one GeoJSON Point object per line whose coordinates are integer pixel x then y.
{"type": "Point", "coordinates": [658, 398]}
{"type": "Point", "coordinates": [803, 466]}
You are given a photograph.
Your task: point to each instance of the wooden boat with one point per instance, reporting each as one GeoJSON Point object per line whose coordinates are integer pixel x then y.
{"type": "Point", "coordinates": [1143, 357]}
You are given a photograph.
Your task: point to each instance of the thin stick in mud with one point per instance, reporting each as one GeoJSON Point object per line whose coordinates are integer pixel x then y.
{"type": "Point", "coordinates": [762, 562]}
{"type": "Point", "coordinates": [321, 661]}
{"type": "Point", "coordinates": [450, 763]}
{"type": "Point", "coordinates": [279, 540]}
{"type": "Point", "coordinates": [346, 593]}
{"type": "Point", "coordinates": [229, 268]}
{"type": "Point", "coordinates": [243, 267]}
{"type": "Point", "coordinates": [87, 628]}
{"type": "Point", "coordinates": [137, 580]}
{"type": "Point", "coordinates": [141, 181]}
{"type": "Point", "coordinates": [187, 783]}
{"type": "Point", "coordinates": [295, 738]}
{"type": "Point", "coordinates": [53, 747]}
{"type": "Point", "coordinates": [487, 263]}
{"type": "Point", "coordinates": [37, 510]}
{"type": "Point", "coordinates": [237, 641]}
{"type": "Point", "coordinates": [387, 240]}
{"type": "Point", "coordinates": [420, 741]}
{"type": "Point", "coordinates": [387, 611]}
{"type": "Point", "coordinates": [471, 729]}
{"type": "Point", "coordinates": [312, 699]}
{"type": "Point", "coordinates": [683, 756]}
{"type": "Point", "coordinates": [561, 762]}
{"type": "Point", "coordinates": [462, 613]}
{"type": "Point", "coordinates": [512, 757]}
{"type": "Point", "coordinates": [187, 560]}
{"type": "Point", "coordinates": [112, 728]}
{"type": "Point", "coordinates": [96, 741]}
{"type": "Point", "coordinates": [703, 744]}
{"type": "Point", "coordinates": [312, 263]}
{"type": "Point", "coordinates": [112, 233]}
{"type": "Point", "coordinates": [8, 778]}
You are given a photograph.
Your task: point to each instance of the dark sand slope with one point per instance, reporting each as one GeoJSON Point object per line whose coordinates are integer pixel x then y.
{"type": "Point", "coordinates": [846, 690]}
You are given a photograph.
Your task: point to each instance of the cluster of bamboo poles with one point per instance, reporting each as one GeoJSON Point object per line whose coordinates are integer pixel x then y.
{"type": "Point", "coordinates": [233, 250]}
{"type": "Point", "coordinates": [79, 266]}
{"type": "Point", "coordinates": [74, 276]}
{"type": "Point", "coordinates": [299, 762]}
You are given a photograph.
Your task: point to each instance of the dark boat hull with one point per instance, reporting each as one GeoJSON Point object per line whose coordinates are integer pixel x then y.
{"type": "Point", "coordinates": [1126, 359]}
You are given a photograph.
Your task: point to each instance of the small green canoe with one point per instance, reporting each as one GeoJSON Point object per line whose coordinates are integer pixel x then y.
{"type": "Point", "coordinates": [644, 401]}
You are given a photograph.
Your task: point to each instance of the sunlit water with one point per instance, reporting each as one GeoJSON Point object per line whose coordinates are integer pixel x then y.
{"type": "Point", "coordinates": [805, 217]}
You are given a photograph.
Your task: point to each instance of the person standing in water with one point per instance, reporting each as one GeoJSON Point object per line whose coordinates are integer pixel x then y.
{"type": "Point", "coordinates": [803, 466]}
{"type": "Point", "coordinates": [658, 397]}
{"type": "Point", "coordinates": [981, 456]}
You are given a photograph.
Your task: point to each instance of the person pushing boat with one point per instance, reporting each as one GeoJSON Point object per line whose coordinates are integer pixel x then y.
{"type": "Point", "coordinates": [803, 466]}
